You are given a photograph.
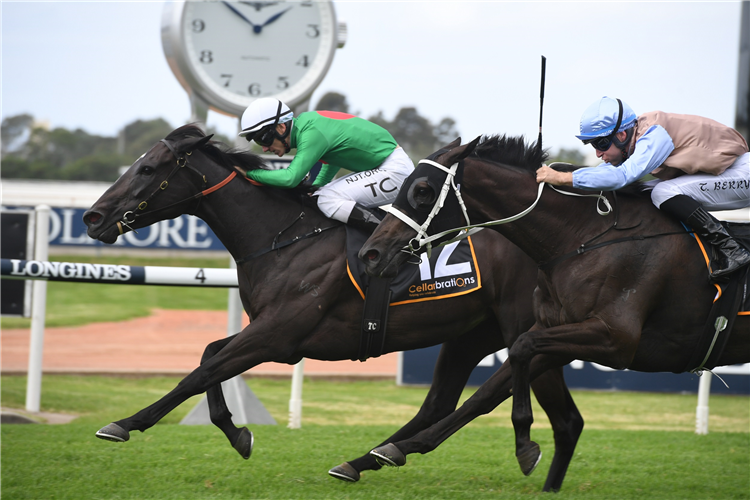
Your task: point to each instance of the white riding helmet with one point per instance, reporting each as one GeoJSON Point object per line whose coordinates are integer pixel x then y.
{"type": "Point", "coordinates": [261, 113]}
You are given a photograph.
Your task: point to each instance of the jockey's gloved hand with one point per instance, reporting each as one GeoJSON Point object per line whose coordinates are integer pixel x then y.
{"type": "Point", "coordinates": [306, 186]}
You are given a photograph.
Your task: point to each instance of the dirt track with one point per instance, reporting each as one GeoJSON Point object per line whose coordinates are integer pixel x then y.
{"type": "Point", "coordinates": [167, 342]}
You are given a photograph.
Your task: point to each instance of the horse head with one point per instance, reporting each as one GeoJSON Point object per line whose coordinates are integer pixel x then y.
{"type": "Point", "coordinates": [414, 210]}
{"type": "Point", "coordinates": [165, 182]}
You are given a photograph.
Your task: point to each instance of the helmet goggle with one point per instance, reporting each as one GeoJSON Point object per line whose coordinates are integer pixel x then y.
{"type": "Point", "coordinates": [600, 143]}
{"type": "Point", "coordinates": [604, 143]}
{"type": "Point", "coordinates": [265, 136]}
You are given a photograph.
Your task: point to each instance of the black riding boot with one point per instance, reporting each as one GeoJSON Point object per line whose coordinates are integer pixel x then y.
{"type": "Point", "coordinates": [363, 218]}
{"type": "Point", "coordinates": [732, 255]}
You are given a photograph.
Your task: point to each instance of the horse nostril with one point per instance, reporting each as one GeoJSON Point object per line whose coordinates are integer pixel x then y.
{"type": "Point", "coordinates": [91, 218]}
{"type": "Point", "coordinates": [372, 255]}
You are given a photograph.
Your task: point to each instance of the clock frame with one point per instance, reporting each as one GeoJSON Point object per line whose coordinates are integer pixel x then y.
{"type": "Point", "coordinates": [221, 53]}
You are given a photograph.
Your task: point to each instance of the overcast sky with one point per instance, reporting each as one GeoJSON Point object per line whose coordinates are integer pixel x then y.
{"type": "Point", "coordinates": [100, 65]}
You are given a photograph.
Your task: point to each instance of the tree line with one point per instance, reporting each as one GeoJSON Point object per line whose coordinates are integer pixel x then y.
{"type": "Point", "coordinates": [31, 151]}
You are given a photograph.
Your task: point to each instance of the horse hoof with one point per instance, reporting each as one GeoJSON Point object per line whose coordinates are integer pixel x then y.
{"type": "Point", "coordinates": [113, 432]}
{"type": "Point", "coordinates": [529, 459]}
{"type": "Point", "coordinates": [389, 455]}
{"type": "Point", "coordinates": [244, 443]}
{"type": "Point", "coordinates": [345, 472]}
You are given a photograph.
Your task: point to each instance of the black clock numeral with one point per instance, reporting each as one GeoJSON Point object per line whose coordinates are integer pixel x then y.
{"type": "Point", "coordinates": [306, 4]}
{"type": "Point", "coordinates": [283, 83]}
{"type": "Point", "coordinates": [206, 57]}
{"type": "Point", "coordinates": [313, 31]}
{"type": "Point", "coordinates": [198, 25]}
{"type": "Point", "coordinates": [303, 62]}
{"type": "Point", "coordinates": [254, 89]}
{"type": "Point", "coordinates": [228, 77]}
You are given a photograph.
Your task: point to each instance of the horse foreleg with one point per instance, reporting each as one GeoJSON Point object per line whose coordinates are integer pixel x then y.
{"type": "Point", "coordinates": [490, 394]}
{"type": "Point", "coordinates": [240, 438]}
{"type": "Point", "coordinates": [240, 353]}
{"type": "Point", "coordinates": [454, 365]}
{"type": "Point", "coordinates": [543, 349]}
{"type": "Point", "coordinates": [566, 421]}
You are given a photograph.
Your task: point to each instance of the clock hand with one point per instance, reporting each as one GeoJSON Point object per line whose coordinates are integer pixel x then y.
{"type": "Point", "coordinates": [256, 28]}
{"type": "Point", "coordinates": [275, 17]}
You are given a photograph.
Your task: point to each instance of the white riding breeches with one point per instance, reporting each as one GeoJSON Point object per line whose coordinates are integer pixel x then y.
{"type": "Point", "coordinates": [370, 188]}
{"type": "Point", "coordinates": [729, 190]}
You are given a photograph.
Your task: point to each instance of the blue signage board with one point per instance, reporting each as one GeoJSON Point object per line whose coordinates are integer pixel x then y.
{"type": "Point", "coordinates": [186, 232]}
{"type": "Point", "coordinates": [418, 366]}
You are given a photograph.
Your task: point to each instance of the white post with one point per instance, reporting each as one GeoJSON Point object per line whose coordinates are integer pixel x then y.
{"type": "Point", "coordinates": [234, 307]}
{"type": "Point", "coordinates": [295, 402]}
{"type": "Point", "coordinates": [38, 312]}
{"type": "Point", "coordinates": [701, 411]}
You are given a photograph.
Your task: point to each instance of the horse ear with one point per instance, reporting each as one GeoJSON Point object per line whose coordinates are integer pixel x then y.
{"type": "Point", "coordinates": [453, 144]}
{"type": "Point", "coordinates": [461, 152]}
{"type": "Point", "coordinates": [194, 143]}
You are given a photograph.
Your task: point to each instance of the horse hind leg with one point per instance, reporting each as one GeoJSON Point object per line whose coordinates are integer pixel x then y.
{"type": "Point", "coordinates": [566, 421]}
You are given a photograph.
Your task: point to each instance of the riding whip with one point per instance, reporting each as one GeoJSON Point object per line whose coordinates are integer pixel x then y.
{"type": "Point", "coordinates": [541, 103]}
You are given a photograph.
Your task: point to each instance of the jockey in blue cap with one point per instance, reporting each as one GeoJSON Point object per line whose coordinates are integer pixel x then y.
{"type": "Point", "coordinates": [699, 165]}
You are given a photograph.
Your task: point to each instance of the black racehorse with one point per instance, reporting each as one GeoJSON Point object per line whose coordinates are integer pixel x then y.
{"type": "Point", "coordinates": [640, 303]}
{"type": "Point", "coordinates": [300, 298]}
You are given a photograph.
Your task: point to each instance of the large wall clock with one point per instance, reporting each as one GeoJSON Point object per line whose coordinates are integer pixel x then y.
{"type": "Point", "coordinates": [227, 54]}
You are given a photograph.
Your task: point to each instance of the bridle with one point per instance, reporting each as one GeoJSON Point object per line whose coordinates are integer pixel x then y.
{"type": "Point", "coordinates": [130, 216]}
{"type": "Point", "coordinates": [422, 240]}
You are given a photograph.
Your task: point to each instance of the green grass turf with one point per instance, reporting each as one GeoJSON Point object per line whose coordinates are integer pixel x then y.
{"type": "Point", "coordinates": [342, 421]}
{"type": "Point", "coordinates": [76, 304]}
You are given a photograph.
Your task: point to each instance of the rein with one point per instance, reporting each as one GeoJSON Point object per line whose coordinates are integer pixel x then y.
{"type": "Point", "coordinates": [130, 216]}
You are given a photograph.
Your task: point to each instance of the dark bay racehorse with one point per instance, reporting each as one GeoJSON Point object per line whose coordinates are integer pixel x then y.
{"type": "Point", "coordinates": [300, 298]}
{"type": "Point", "coordinates": [640, 304]}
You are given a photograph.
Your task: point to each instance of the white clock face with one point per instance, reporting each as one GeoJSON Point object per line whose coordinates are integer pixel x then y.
{"type": "Point", "coordinates": [241, 51]}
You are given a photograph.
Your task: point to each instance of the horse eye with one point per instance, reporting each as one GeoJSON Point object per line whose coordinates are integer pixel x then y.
{"type": "Point", "coordinates": [146, 170]}
{"type": "Point", "coordinates": [422, 196]}
{"type": "Point", "coordinates": [422, 192]}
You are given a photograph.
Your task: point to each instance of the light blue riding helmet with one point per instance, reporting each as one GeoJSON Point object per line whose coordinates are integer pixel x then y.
{"type": "Point", "coordinates": [602, 118]}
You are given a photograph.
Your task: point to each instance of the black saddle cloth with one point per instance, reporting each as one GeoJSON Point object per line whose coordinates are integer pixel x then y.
{"type": "Point", "coordinates": [452, 271]}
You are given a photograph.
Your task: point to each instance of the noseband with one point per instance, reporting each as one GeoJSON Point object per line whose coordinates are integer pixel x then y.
{"type": "Point", "coordinates": [130, 216]}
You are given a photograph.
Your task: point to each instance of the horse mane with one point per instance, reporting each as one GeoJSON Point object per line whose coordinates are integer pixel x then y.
{"type": "Point", "coordinates": [227, 157]}
{"type": "Point", "coordinates": [218, 151]}
{"type": "Point", "coordinates": [512, 151]}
